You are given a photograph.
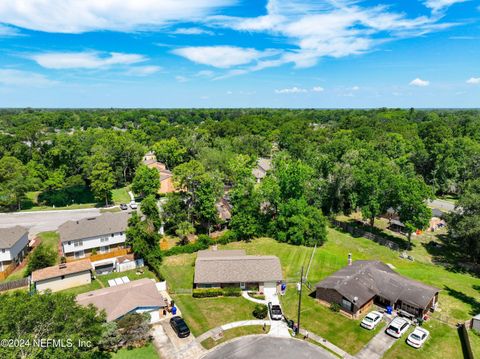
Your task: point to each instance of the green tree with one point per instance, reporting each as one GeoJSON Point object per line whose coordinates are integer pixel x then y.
{"type": "Point", "coordinates": [134, 329]}
{"type": "Point", "coordinates": [149, 208]}
{"type": "Point", "coordinates": [146, 181]}
{"type": "Point", "coordinates": [50, 316]}
{"type": "Point", "coordinates": [41, 257]}
{"type": "Point", "coordinates": [14, 182]}
{"type": "Point", "coordinates": [102, 181]}
{"type": "Point", "coordinates": [464, 222]}
{"type": "Point", "coordinates": [170, 152]}
{"type": "Point", "coordinates": [184, 229]}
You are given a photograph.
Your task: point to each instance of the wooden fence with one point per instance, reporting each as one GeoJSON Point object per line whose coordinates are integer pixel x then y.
{"type": "Point", "coordinates": [101, 256]}
{"type": "Point", "coordinates": [24, 282]}
{"type": "Point", "coordinates": [5, 273]}
{"type": "Point", "coordinates": [359, 232]}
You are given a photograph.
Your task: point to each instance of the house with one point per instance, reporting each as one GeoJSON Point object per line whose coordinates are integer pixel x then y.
{"type": "Point", "coordinates": [233, 268]}
{"type": "Point", "coordinates": [138, 296]}
{"type": "Point", "coordinates": [263, 166]}
{"type": "Point", "coordinates": [63, 276]}
{"type": "Point", "coordinates": [166, 176]}
{"type": "Point", "coordinates": [13, 248]}
{"type": "Point", "coordinates": [100, 239]}
{"type": "Point", "coordinates": [356, 287]}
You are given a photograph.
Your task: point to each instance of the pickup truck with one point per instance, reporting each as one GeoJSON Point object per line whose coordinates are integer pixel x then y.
{"type": "Point", "coordinates": [275, 311]}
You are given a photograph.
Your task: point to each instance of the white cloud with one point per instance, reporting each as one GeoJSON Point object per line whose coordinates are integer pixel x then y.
{"type": "Point", "coordinates": [181, 78]}
{"type": "Point", "coordinates": [419, 82]}
{"type": "Point", "coordinates": [205, 73]}
{"type": "Point", "coordinates": [74, 16]}
{"type": "Point", "coordinates": [143, 70]}
{"type": "Point", "coordinates": [437, 5]}
{"type": "Point", "coordinates": [192, 31]}
{"type": "Point", "coordinates": [220, 56]}
{"type": "Point", "coordinates": [85, 60]}
{"type": "Point", "coordinates": [8, 31]}
{"type": "Point", "coordinates": [355, 88]}
{"type": "Point", "coordinates": [318, 89]}
{"type": "Point", "coordinates": [11, 77]}
{"type": "Point", "coordinates": [473, 81]}
{"type": "Point", "coordinates": [291, 90]}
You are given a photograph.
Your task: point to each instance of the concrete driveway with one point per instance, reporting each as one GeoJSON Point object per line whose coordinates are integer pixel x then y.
{"type": "Point", "coordinates": [170, 346]}
{"type": "Point", "coordinates": [42, 221]}
{"type": "Point", "coordinates": [376, 348]}
{"type": "Point", "coordinates": [266, 347]}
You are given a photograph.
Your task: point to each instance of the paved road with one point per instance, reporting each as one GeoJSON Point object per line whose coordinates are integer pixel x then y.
{"type": "Point", "coordinates": [266, 347]}
{"type": "Point", "coordinates": [376, 348]}
{"type": "Point", "coordinates": [42, 221]}
{"type": "Point", "coordinates": [442, 205]}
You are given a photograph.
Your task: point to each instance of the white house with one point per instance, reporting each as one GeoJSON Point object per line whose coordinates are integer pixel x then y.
{"type": "Point", "coordinates": [13, 246]}
{"type": "Point", "coordinates": [98, 238]}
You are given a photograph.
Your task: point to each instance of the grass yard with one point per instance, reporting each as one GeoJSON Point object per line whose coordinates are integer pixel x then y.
{"type": "Point", "coordinates": [146, 352]}
{"type": "Point", "coordinates": [131, 274]}
{"type": "Point", "coordinates": [95, 284]}
{"type": "Point", "coordinates": [120, 195]}
{"type": "Point", "coordinates": [50, 239]}
{"type": "Point", "coordinates": [234, 333]}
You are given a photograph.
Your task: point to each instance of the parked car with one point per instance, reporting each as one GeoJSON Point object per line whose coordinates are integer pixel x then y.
{"type": "Point", "coordinates": [133, 205]}
{"type": "Point", "coordinates": [275, 311]}
{"type": "Point", "coordinates": [371, 320]}
{"type": "Point", "coordinates": [418, 337]}
{"type": "Point", "coordinates": [397, 327]}
{"type": "Point", "coordinates": [180, 327]}
{"type": "Point", "coordinates": [123, 206]}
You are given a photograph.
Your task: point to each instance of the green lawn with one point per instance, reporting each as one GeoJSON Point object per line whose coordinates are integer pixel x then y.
{"type": "Point", "coordinates": [50, 239]}
{"type": "Point", "coordinates": [146, 352]}
{"type": "Point", "coordinates": [234, 333]}
{"type": "Point", "coordinates": [131, 274]}
{"type": "Point", "coordinates": [120, 195]}
{"type": "Point", "coordinates": [95, 284]}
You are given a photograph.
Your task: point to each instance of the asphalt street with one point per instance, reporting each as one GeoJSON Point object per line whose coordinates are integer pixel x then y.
{"type": "Point", "coordinates": [266, 347]}
{"type": "Point", "coordinates": [42, 221]}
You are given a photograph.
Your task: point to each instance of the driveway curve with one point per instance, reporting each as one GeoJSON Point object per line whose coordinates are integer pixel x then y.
{"type": "Point", "coordinates": [266, 347]}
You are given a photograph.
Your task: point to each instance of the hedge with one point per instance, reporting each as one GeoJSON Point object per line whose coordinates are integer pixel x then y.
{"type": "Point", "coordinates": [216, 292]}
{"type": "Point", "coordinates": [203, 242]}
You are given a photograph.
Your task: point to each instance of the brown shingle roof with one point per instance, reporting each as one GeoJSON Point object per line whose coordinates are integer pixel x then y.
{"type": "Point", "coordinates": [365, 279]}
{"type": "Point", "coordinates": [220, 253]}
{"type": "Point", "coordinates": [63, 269]}
{"type": "Point", "coordinates": [11, 235]}
{"type": "Point", "coordinates": [124, 298]}
{"type": "Point", "coordinates": [106, 223]}
{"type": "Point", "coordinates": [219, 267]}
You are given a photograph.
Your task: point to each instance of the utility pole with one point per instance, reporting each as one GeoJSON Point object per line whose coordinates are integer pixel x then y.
{"type": "Point", "coordinates": [299, 288]}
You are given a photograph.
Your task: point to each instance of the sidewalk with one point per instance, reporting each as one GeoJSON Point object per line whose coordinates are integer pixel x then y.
{"type": "Point", "coordinates": [242, 323]}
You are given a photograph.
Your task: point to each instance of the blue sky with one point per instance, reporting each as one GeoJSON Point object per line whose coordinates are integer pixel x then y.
{"type": "Point", "coordinates": [240, 53]}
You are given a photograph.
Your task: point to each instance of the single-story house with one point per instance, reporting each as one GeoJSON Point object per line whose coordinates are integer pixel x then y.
{"type": "Point", "coordinates": [13, 248]}
{"type": "Point", "coordinates": [63, 276]}
{"type": "Point", "coordinates": [138, 296]}
{"type": "Point", "coordinates": [234, 268]}
{"type": "Point", "coordinates": [165, 175]}
{"type": "Point", "coordinates": [263, 166]}
{"type": "Point", "coordinates": [358, 286]}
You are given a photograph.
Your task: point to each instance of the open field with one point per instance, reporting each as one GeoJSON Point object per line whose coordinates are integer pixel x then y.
{"type": "Point", "coordinates": [457, 299]}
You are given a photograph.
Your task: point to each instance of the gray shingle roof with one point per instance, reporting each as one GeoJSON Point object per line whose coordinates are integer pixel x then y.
{"type": "Point", "coordinates": [124, 298]}
{"type": "Point", "coordinates": [106, 223]}
{"type": "Point", "coordinates": [220, 253]}
{"type": "Point", "coordinates": [263, 166]}
{"type": "Point", "coordinates": [223, 267]}
{"type": "Point", "coordinates": [11, 235]}
{"type": "Point", "coordinates": [365, 279]}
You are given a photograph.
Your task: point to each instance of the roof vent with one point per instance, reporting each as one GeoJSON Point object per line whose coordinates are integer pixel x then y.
{"type": "Point", "coordinates": [355, 300]}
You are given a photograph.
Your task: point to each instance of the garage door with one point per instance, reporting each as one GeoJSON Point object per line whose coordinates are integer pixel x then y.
{"type": "Point", "coordinates": [270, 291]}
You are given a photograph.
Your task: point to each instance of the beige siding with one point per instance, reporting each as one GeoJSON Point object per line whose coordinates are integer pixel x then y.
{"type": "Point", "coordinates": [69, 281]}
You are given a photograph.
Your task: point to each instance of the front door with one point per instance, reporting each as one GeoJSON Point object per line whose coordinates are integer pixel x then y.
{"type": "Point", "coordinates": [242, 285]}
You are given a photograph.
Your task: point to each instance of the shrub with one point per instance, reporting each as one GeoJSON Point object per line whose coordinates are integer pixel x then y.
{"type": "Point", "coordinates": [190, 248]}
{"type": "Point", "coordinates": [207, 293]}
{"type": "Point", "coordinates": [232, 292]}
{"type": "Point", "coordinates": [335, 307]}
{"type": "Point", "coordinates": [227, 237]}
{"type": "Point", "coordinates": [260, 311]}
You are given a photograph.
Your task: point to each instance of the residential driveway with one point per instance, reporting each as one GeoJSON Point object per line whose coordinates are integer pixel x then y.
{"type": "Point", "coordinates": [42, 221]}
{"type": "Point", "coordinates": [376, 347]}
{"type": "Point", "coordinates": [264, 347]}
{"type": "Point", "coordinates": [170, 346]}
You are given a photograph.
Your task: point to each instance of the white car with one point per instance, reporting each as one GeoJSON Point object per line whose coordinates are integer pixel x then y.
{"type": "Point", "coordinates": [398, 327]}
{"type": "Point", "coordinates": [418, 337]}
{"type": "Point", "coordinates": [133, 205]}
{"type": "Point", "coordinates": [371, 320]}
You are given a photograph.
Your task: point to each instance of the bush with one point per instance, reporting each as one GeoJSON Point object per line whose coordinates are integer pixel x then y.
{"type": "Point", "coordinates": [335, 307]}
{"type": "Point", "coordinates": [232, 292]}
{"type": "Point", "coordinates": [207, 293]}
{"type": "Point", "coordinates": [227, 237]}
{"type": "Point", "coordinates": [190, 248]}
{"type": "Point", "coordinates": [260, 311]}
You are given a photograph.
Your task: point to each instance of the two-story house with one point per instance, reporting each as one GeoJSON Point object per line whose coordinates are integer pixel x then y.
{"type": "Point", "coordinates": [13, 248]}
{"type": "Point", "coordinates": [97, 238]}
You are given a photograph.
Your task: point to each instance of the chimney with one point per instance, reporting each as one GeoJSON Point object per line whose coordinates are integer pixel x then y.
{"type": "Point", "coordinates": [349, 259]}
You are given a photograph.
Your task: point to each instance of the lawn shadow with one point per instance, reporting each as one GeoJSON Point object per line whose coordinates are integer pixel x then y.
{"type": "Point", "coordinates": [471, 301]}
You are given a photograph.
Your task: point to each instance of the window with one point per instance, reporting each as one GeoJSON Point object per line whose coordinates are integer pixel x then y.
{"type": "Point", "coordinates": [113, 234]}
{"type": "Point", "coordinates": [78, 243]}
{"type": "Point", "coordinates": [3, 250]}
{"type": "Point", "coordinates": [79, 254]}
{"type": "Point", "coordinates": [62, 277]}
{"type": "Point", "coordinates": [104, 249]}
{"type": "Point", "coordinates": [104, 239]}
